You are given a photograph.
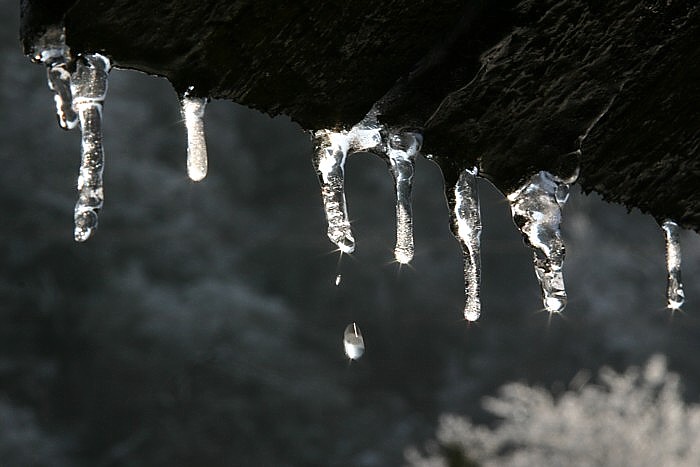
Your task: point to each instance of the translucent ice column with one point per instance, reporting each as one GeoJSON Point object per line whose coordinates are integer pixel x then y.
{"type": "Point", "coordinates": [536, 208]}
{"type": "Point", "coordinates": [465, 216]}
{"type": "Point", "coordinates": [192, 109]}
{"type": "Point", "coordinates": [401, 152]}
{"type": "Point", "coordinates": [674, 289]}
{"type": "Point", "coordinates": [330, 152]}
{"type": "Point", "coordinates": [55, 54]}
{"type": "Point", "coordinates": [89, 86]}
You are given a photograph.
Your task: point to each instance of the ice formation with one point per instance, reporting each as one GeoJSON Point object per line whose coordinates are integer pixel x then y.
{"type": "Point", "coordinates": [192, 109]}
{"type": "Point", "coordinates": [55, 54]}
{"type": "Point", "coordinates": [401, 152]}
{"type": "Point", "coordinates": [399, 148]}
{"type": "Point", "coordinates": [330, 152]}
{"type": "Point", "coordinates": [331, 149]}
{"type": "Point", "coordinates": [465, 218]}
{"type": "Point", "coordinates": [674, 290]}
{"type": "Point", "coordinates": [88, 87]}
{"type": "Point", "coordinates": [353, 343]}
{"type": "Point", "coordinates": [536, 208]}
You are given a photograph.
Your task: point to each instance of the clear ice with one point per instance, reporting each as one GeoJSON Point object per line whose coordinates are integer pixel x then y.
{"type": "Point", "coordinates": [331, 149]}
{"type": "Point", "coordinates": [401, 153]}
{"type": "Point", "coordinates": [536, 208]}
{"type": "Point", "coordinates": [466, 226]}
{"type": "Point", "coordinates": [192, 109]}
{"type": "Point", "coordinates": [330, 152]}
{"type": "Point", "coordinates": [353, 343]}
{"type": "Point", "coordinates": [55, 54]}
{"type": "Point", "coordinates": [88, 87]}
{"type": "Point", "coordinates": [674, 290]}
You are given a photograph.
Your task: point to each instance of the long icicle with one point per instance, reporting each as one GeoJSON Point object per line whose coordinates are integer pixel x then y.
{"type": "Point", "coordinates": [674, 289]}
{"type": "Point", "coordinates": [465, 218]}
{"type": "Point", "coordinates": [330, 152]}
{"type": "Point", "coordinates": [401, 152]}
{"type": "Point", "coordinates": [192, 109]}
{"type": "Point", "coordinates": [89, 87]}
{"type": "Point", "coordinates": [536, 209]}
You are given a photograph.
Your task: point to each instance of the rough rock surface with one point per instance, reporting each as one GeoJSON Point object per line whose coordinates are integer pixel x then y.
{"type": "Point", "coordinates": [512, 87]}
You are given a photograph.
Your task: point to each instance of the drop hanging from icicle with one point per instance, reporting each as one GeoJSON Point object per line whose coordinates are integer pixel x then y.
{"type": "Point", "coordinates": [465, 217]}
{"type": "Point", "coordinates": [88, 88]}
{"type": "Point", "coordinates": [536, 209]}
{"type": "Point", "coordinates": [192, 109]}
{"type": "Point", "coordinates": [353, 342]}
{"type": "Point", "coordinates": [674, 289]}
{"type": "Point", "coordinates": [401, 152]}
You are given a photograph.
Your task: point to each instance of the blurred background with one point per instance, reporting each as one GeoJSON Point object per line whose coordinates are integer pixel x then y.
{"type": "Point", "coordinates": [202, 324]}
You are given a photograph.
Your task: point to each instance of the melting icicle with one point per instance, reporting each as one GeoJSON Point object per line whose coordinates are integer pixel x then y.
{"type": "Point", "coordinates": [330, 152]}
{"type": "Point", "coordinates": [674, 290]}
{"type": "Point", "coordinates": [536, 208]}
{"type": "Point", "coordinates": [55, 54]}
{"type": "Point", "coordinates": [353, 343]}
{"type": "Point", "coordinates": [192, 109]}
{"type": "Point", "coordinates": [89, 86]}
{"type": "Point", "coordinates": [466, 226]}
{"type": "Point", "coordinates": [401, 152]}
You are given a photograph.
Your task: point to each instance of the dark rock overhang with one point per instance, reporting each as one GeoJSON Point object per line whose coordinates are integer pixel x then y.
{"type": "Point", "coordinates": [511, 87]}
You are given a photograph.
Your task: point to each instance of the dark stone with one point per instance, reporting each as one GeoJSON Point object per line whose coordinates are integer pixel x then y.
{"type": "Point", "coordinates": [513, 87]}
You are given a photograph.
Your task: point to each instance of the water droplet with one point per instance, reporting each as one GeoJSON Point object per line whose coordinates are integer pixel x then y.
{"type": "Point", "coordinates": [536, 208]}
{"type": "Point", "coordinates": [338, 278]}
{"type": "Point", "coordinates": [465, 218]}
{"type": "Point", "coordinates": [674, 290]}
{"type": "Point", "coordinates": [353, 343]}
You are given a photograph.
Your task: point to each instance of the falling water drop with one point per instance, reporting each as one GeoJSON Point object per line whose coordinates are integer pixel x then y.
{"type": "Point", "coordinates": [330, 152]}
{"type": "Point", "coordinates": [89, 87]}
{"type": "Point", "coordinates": [338, 279]}
{"type": "Point", "coordinates": [353, 343]}
{"type": "Point", "coordinates": [536, 209]}
{"type": "Point", "coordinates": [465, 217]}
{"type": "Point", "coordinates": [401, 152]}
{"type": "Point", "coordinates": [674, 290]}
{"type": "Point", "coordinates": [192, 109]}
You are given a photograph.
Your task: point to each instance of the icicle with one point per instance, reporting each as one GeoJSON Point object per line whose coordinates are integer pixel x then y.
{"type": "Point", "coordinates": [674, 290]}
{"type": "Point", "coordinates": [192, 109]}
{"type": "Point", "coordinates": [353, 342]}
{"type": "Point", "coordinates": [330, 152]}
{"type": "Point", "coordinates": [466, 226]}
{"type": "Point", "coordinates": [53, 52]}
{"type": "Point", "coordinates": [402, 151]}
{"type": "Point", "coordinates": [89, 86]}
{"type": "Point", "coordinates": [536, 208]}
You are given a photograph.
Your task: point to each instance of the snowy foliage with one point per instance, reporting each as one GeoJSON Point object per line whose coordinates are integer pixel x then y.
{"type": "Point", "coordinates": [636, 418]}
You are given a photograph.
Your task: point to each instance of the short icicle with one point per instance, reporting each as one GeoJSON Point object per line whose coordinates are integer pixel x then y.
{"type": "Point", "coordinates": [55, 54]}
{"type": "Point", "coordinates": [674, 289]}
{"type": "Point", "coordinates": [192, 109]}
{"type": "Point", "coordinates": [89, 87]}
{"type": "Point", "coordinates": [330, 152]}
{"type": "Point", "coordinates": [401, 152]}
{"type": "Point", "coordinates": [465, 218]}
{"type": "Point", "coordinates": [536, 209]}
